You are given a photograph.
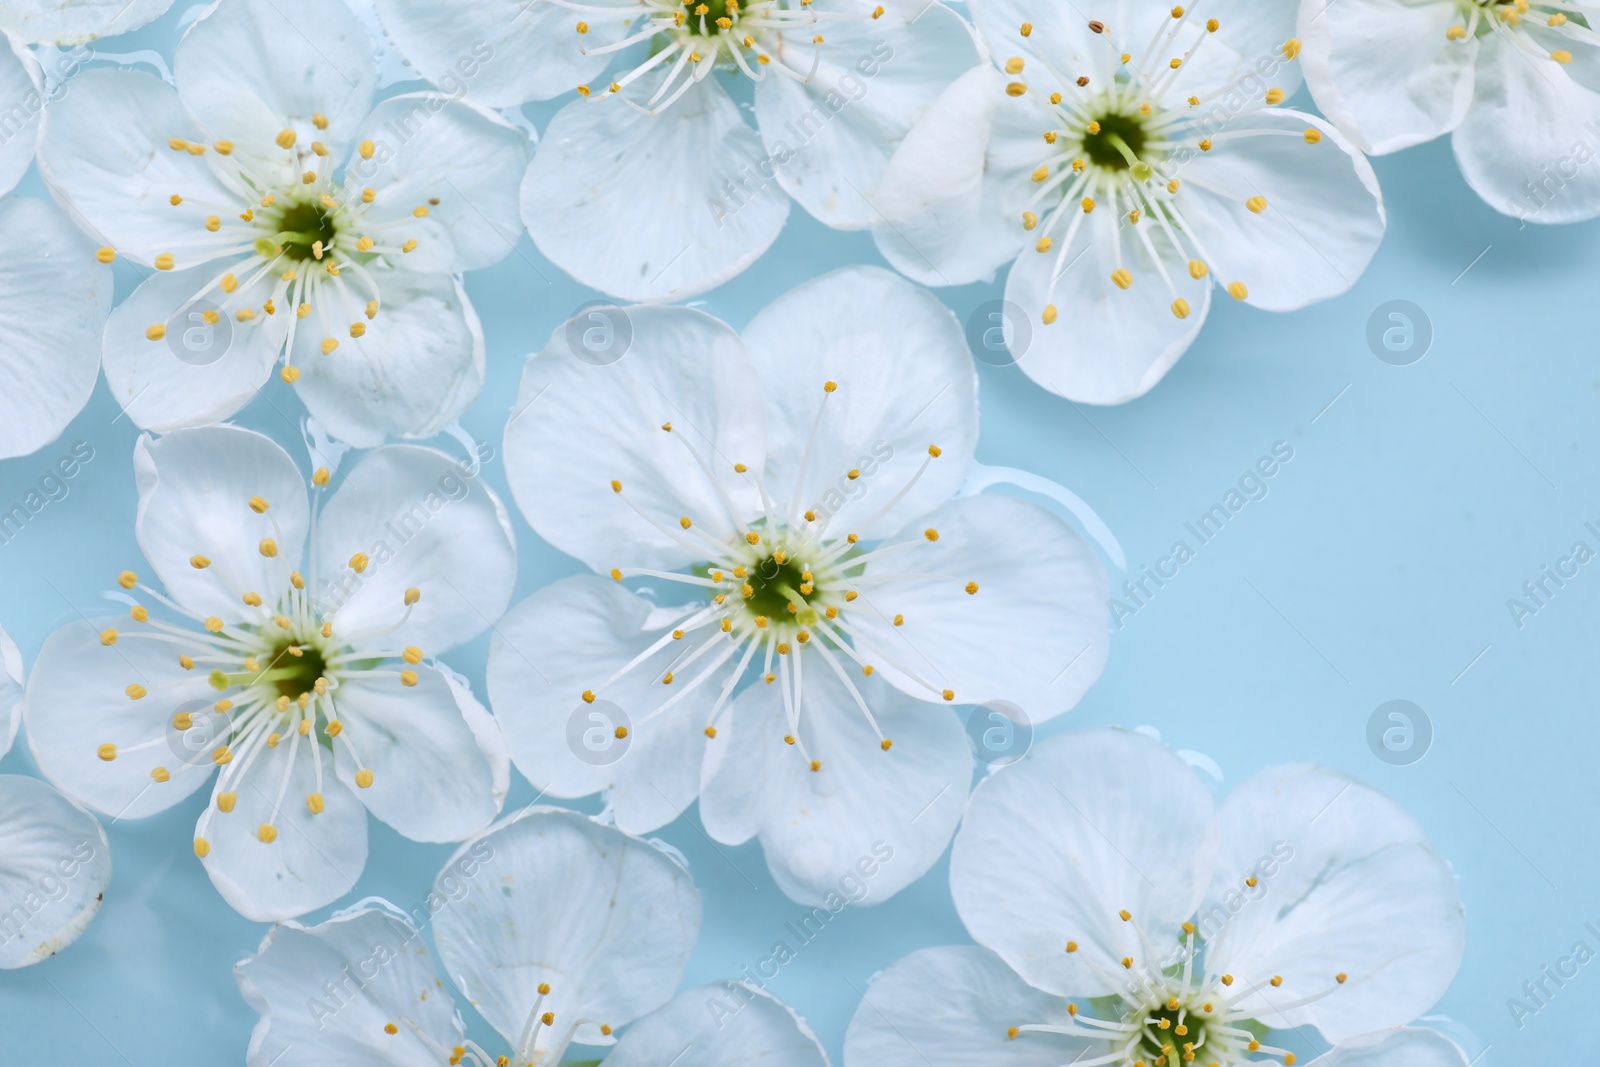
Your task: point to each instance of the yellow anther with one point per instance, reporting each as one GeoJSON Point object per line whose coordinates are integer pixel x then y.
{"type": "Point", "coordinates": [182, 720]}
{"type": "Point", "coordinates": [334, 729]}
{"type": "Point", "coordinates": [358, 562]}
{"type": "Point", "coordinates": [186, 662]}
{"type": "Point", "coordinates": [226, 801]}
{"type": "Point", "coordinates": [1197, 269]}
{"type": "Point", "coordinates": [267, 833]}
{"type": "Point", "coordinates": [156, 332]}
{"type": "Point", "coordinates": [107, 752]}
{"type": "Point", "coordinates": [413, 595]}
{"type": "Point", "coordinates": [409, 246]}
{"type": "Point", "coordinates": [222, 756]}
{"type": "Point", "coordinates": [1291, 47]}
{"type": "Point", "coordinates": [408, 678]}
{"type": "Point", "coordinates": [1561, 55]}
{"type": "Point", "coordinates": [105, 254]}
{"type": "Point", "coordinates": [290, 374]}
{"type": "Point", "coordinates": [1121, 278]}
{"type": "Point", "coordinates": [1274, 96]}
{"type": "Point", "coordinates": [1088, 204]}
{"type": "Point", "coordinates": [364, 778]}
{"type": "Point", "coordinates": [135, 691]}
{"type": "Point", "coordinates": [268, 547]}
{"type": "Point", "coordinates": [1205, 144]}
{"type": "Point", "coordinates": [1180, 308]}
{"type": "Point", "coordinates": [1175, 63]}
{"type": "Point", "coordinates": [1257, 204]}
{"type": "Point", "coordinates": [1312, 136]}
{"type": "Point", "coordinates": [286, 139]}
{"type": "Point", "coordinates": [412, 654]}
{"type": "Point", "coordinates": [199, 563]}
{"type": "Point", "coordinates": [213, 624]}
{"type": "Point", "coordinates": [1049, 316]}
{"type": "Point", "coordinates": [1042, 173]}
{"type": "Point", "coordinates": [1238, 290]}
{"type": "Point", "coordinates": [202, 847]}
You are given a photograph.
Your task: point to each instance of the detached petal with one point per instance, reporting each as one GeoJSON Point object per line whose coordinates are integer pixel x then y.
{"type": "Point", "coordinates": [1054, 846]}
{"type": "Point", "coordinates": [952, 1007]}
{"type": "Point", "coordinates": [195, 372]}
{"type": "Point", "coordinates": [552, 896]}
{"type": "Point", "coordinates": [502, 52]}
{"type": "Point", "coordinates": [869, 821]}
{"type": "Point", "coordinates": [78, 703]}
{"type": "Point", "coordinates": [1351, 887]}
{"type": "Point", "coordinates": [415, 369]}
{"type": "Point", "coordinates": [653, 207]}
{"type": "Point", "coordinates": [571, 637]}
{"type": "Point", "coordinates": [440, 768]}
{"type": "Point", "coordinates": [1528, 114]}
{"type": "Point", "coordinates": [951, 200]}
{"type": "Point", "coordinates": [55, 22]}
{"type": "Point", "coordinates": [832, 134]}
{"type": "Point", "coordinates": [53, 303]}
{"type": "Point", "coordinates": [55, 864]}
{"type": "Point", "coordinates": [1384, 72]}
{"type": "Point", "coordinates": [302, 1026]}
{"type": "Point", "coordinates": [195, 488]}
{"type": "Point", "coordinates": [586, 417]}
{"type": "Point", "coordinates": [1032, 630]}
{"type": "Point", "coordinates": [425, 521]}
{"type": "Point", "coordinates": [1106, 345]}
{"type": "Point", "coordinates": [427, 147]}
{"type": "Point", "coordinates": [250, 70]}
{"type": "Point", "coordinates": [104, 153]}
{"type": "Point", "coordinates": [20, 83]}
{"type": "Point", "coordinates": [729, 1025]}
{"type": "Point", "coordinates": [905, 380]}
{"type": "Point", "coordinates": [1321, 215]}
{"type": "Point", "coordinates": [269, 856]}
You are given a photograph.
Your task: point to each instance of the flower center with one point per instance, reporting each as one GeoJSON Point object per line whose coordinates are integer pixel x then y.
{"type": "Point", "coordinates": [1114, 141]}
{"type": "Point", "coordinates": [305, 229]}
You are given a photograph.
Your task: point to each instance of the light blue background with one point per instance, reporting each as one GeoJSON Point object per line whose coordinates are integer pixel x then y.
{"type": "Point", "coordinates": [1378, 567]}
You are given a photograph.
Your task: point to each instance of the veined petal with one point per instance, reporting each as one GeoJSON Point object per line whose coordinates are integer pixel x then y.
{"type": "Point", "coordinates": [607, 920]}
{"type": "Point", "coordinates": [104, 153]}
{"type": "Point", "coordinates": [1319, 226]}
{"type": "Point", "coordinates": [435, 777]}
{"type": "Point", "coordinates": [567, 639]}
{"type": "Point", "coordinates": [301, 1025]}
{"type": "Point", "coordinates": [503, 52]}
{"type": "Point", "coordinates": [79, 711]}
{"type": "Point", "coordinates": [55, 864]}
{"type": "Point", "coordinates": [55, 22]}
{"type": "Point", "coordinates": [195, 488]}
{"type": "Point", "coordinates": [1054, 846]}
{"type": "Point", "coordinates": [53, 303]}
{"type": "Point", "coordinates": [1354, 889]}
{"type": "Point", "coordinates": [269, 855]}
{"type": "Point", "coordinates": [904, 379]}
{"type": "Point", "coordinates": [1008, 603]}
{"type": "Point", "coordinates": [250, 70]}
{"type": "Point", "coordinates": [833, 133]}
{"type": "Point", "coordinates": [427, 147]}
{"type": "Point", "coordinates": [416, 367]}
{"type": "Point", "coordinates": [868, 821]}
{"type": "Point", "coordinates": [729, 1025]}
{"type": "Point", "coordinates": [1106, 344]}
{"type": "Point", "coordinates": [653, 207]}
{"type": "Point", "coordinates": [581, 423]}
{"type": "Point", "coordinates": [951, 200]}
{"type": "Point", "coordinates": [1384, 72]}
{"type": "Point", "coordinates": [20, 82]}
{"type": "Point", "coordinates": [952, 1007]}
{"type": "Point", "coordinates": [1527, 114]}
{"type": "Point", "coordinates": [425, 522]}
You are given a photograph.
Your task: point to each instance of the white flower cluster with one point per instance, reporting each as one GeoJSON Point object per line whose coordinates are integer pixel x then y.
{"type": "Point", "coordinates": [790, 581]}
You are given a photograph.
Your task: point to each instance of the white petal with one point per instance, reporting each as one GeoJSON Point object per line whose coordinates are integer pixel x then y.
{"type": "Point", "coordinates": [1033, 633]}
{"type": "Point", "coordinates": [1407, 1047]}
{"type": "Point", "coordinates": [905, 381]}
{"type": "Point", "coordinates": [1323, 217]}
{"type": "Point", "coordinates": [639, 206]}
{"type": "Point", "coordinates": [1527, 114]}
{"type": "Point", "coordinates": [952, 1007]}
{"type": "Point", "coordinates": [729, 1025]}
{"type": "Point", "coordinates": [501, 52]}
{"type": "Point", "coordinates": [197, 372]}
{"type": "Point", "coordinates": [553, 896]}
{"type": "Point", "coordinates": [55, 864]}
{"type": "Point", "coordinates": [249, 70]}
{"type": "Point", "coordinates": [1055, 845]}
{"type": "Point", "coordinates": [314, 859]}
{"type": "Point", "coordinates": [869, 822]}
{"type": "Point", "coordinates": [77, 701]}
{"type": "Point", "coordinates": [434, 777]}
{"type": "Point", "coordinates": [392, 982]}
{"type": "Point", "coordinates": [416, 369]}
{"type": "Point", "coordinates": [578, 425]}
{"type": "Point", "coordinates": [1383, 71]}
{"type": "Point", "coordinates": [1353, 888]}
{"type": "Point", "coordinates": [53, 303]}
{"type": "Point", "coordinates": [427, 146]}
{"type": "Point", "coordinates": [832, 134]}
{"type": "Point", "coordinates": [569, 637]}
{"type": "Point", "coordinates": [20, 80]}
{"type": "Point", "coordinates": [195, 488]}
{"type": "Point", "coordinates": [426, 523]}
{"type": "Point", "coordinates": [11, 691]}
{"type": "Point", "coordinates": [951, 200]}
{"type": "Point", "coordinates": [57, 22]}
{"type": "Point", "coordinates": [1109, 345]}
{"type": "Point", "coordinates": [103, 151]}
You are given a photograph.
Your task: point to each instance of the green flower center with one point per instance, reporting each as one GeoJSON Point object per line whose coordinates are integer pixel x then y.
{"type": "Point", "coordinates": [1119, 137]}
{"type": "Point", "coordinates": [776, 586]}
{"type": "Point", "coordinates": [302, 226]}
